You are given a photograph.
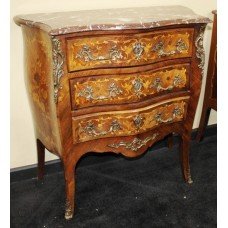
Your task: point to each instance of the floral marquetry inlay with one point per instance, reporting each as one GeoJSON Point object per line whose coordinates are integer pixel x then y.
{"type": "Point", "coordinates": [130, 88]}
{"type": "Point", "coordinates": [113, 80]}
{"type": "Point", "coordinates": [128, 50]}
{"type": "Point", "coordinates": [127, 123]}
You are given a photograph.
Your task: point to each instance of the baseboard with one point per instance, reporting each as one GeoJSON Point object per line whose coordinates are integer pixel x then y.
{"type": "Point", "coordinates": [54, 166]}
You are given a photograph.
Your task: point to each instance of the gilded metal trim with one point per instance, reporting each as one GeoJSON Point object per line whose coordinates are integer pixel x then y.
{"type": "Point", "coordinates": [138, 50]}
{"type": "Point", "coordinates": [159, 48]}
{"type": "Point", "coordinates": [136, 144]}
{"type": "Point", "coordinates": [176, 112]}
{"type": "Point", "coordinates": [158, 85]}
{"type": "Point", "coordinates": [68, 211]}
{"type": "Point", "coordinates": [86, 54]}
{"type": "Point", "coordinates": [138, 121]}
{"type": "Point", "coordinates": [200, 53]}
{"type": "Point", "coordinates": [137, 86]}
{"type": "Point", "coordinates": [113, 91]}
{"type": "Point", "coordinates": [177, 80]}
{"type": "Point", "coordinates": [90, 129]}
{"type": "Point", "coordinates": [58, 59]}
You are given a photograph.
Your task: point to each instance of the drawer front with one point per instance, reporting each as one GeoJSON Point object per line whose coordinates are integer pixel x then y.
{"type": "Point", "coordinates": [128, 50]}
{"type": "Point", "coordinates": [131, 122]}
{"type": "Point", "coordinates": [120, 89]}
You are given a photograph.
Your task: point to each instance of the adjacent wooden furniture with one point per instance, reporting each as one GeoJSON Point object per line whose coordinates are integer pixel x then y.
{"type": "Point", "coordinates": [112, 81]}
{"type": "Point", "coordinates": [210, 95]}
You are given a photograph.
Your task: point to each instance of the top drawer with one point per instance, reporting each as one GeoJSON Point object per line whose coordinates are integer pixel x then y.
{"type": "Point", "coordinates": [128, 50]}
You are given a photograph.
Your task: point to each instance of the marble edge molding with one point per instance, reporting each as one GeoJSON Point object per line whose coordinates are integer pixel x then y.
{"type": "Point", "coordinates": [105, 27]}
{"type": "Point", "coordinates": [20, 21]}
{"type": "Point", "coordinates": [137, 23]}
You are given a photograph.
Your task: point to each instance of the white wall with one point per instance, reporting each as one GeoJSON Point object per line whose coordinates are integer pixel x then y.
{"type": "Point", "coordinates": [23, 149]}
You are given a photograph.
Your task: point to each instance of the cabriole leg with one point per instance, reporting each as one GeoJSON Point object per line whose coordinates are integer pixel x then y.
{"type": "Point", "coordinates": [69, 173]}
{"type": "Point", "coordinates": [184, 157]}
{"type": "Point", "coordinates": [41, 157]}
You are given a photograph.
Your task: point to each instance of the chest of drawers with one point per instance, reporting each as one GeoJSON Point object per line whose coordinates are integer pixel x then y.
{"type": "Point", "coordinates": [112, 81]}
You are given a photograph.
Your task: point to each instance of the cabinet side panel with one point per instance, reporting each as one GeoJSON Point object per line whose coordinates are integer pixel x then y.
{"type": "Point", "coordinates": [197, 67]}
{"type": "Point", "coordinates": [40, 88]}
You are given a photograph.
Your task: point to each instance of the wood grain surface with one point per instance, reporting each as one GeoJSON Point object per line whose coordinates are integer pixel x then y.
{"type": "Point", "coordinates": [143, 106]}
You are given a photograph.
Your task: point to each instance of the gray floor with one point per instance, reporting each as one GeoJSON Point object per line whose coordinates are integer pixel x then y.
{"type": "Point", "coordinates": [144, 192]}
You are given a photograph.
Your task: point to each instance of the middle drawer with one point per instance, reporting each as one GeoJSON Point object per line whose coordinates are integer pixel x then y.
{"type": "Point", "coordinates": [128, 88]}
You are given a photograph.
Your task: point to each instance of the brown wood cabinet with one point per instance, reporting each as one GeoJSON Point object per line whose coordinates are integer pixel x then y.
{"type": "Point", "coordinates": [210, 95]}
{"type": "Point", "coordinates": [112, 81]}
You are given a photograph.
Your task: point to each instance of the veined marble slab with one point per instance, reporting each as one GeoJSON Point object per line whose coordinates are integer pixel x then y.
{"type": "Point", "coordinates": [110, 19]}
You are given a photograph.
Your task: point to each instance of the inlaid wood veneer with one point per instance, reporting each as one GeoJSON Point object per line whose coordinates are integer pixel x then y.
{"type": "Point", "coordinates": [115, 80]}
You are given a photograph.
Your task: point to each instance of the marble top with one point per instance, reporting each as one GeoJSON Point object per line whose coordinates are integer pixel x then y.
{"type": "Point", "coordinates": [110, 19]}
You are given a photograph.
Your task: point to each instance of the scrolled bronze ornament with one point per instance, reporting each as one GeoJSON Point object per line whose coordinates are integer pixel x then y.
{"type": "Point", "coordinates": [158, 84]}
{"type": "Point", "coordinates": [176, 112]}
{"type": "Point", "coordinates": [88, 93]}
{"type": "Point", "coordinates": [58, 60]}
{"type": "Point", "coordinates": [91, 130]}
{"type": "Point", "coordinates": [138, 50]}
{"type": "Point", "coordinates": [200, 53]}
{"type": "Point", "coordinates": [86, 54]}
{"type": "Point", "coordinates": [177, 80]}
{"type": "Point", "coordinates": [160, 48]}
{"type": "Point", "coordinates": [138, 121]}
{"type": "Point", "coordinates": [137, 86]}
{"type": "Point", "coordinates": [134, 145]}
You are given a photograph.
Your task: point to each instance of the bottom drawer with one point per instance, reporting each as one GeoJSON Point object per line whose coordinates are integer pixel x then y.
{"type": "Point", "coordinates": [128, 122]}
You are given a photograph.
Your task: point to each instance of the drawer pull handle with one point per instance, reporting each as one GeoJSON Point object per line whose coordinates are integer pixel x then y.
{"type": "Point", "coordinates": [90, 129]}
{"type": "Point", "coordinates": [138, 50]}
{"type": "Point", "coordinates": [176, 112]}
{"type": "Point", "coordinates": [113, 91]}
{"type": "Point", "coordinates": [158, 85]}
{"type": "Point", "coordinates": [159, 48]}
{"type": "Point", "coordinates": [86, 54]}
{"type": "Point", "coordinates": [138, 121]}
{"type": "Point", "coordinates": [136, 144]}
